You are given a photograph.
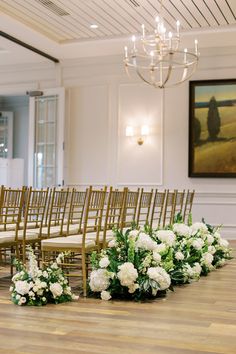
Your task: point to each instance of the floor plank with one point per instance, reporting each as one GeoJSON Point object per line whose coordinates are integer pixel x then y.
{"type": "Point", "coordinates": [196, 318]}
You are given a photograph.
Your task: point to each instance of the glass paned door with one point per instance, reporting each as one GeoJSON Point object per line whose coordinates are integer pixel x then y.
{"type": "Point", "coordinates": [45, 141]}
{"type": "Point", "coordinates": [46, 137]}
{"type": "Point", "coordinates": [6, 133]}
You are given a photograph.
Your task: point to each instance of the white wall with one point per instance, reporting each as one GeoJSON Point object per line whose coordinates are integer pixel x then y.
{"type": "Point", "coordinates": [101, 101]}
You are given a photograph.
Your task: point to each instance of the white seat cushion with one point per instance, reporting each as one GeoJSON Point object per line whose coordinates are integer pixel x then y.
{"type": "Point", "coordinates": [9, 236]}
{"type": "Point", "coordinates": [69, 242]}
{"type": "Point", "coordinates": [54, 231]}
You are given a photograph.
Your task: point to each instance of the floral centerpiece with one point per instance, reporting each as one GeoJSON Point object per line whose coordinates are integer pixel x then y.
{"type": "Point", "coordinates": [129, 268]}
{"type": "Point", "coordinates": [140, 264]}
{"type": "Point", "coordinates": [35, 286]}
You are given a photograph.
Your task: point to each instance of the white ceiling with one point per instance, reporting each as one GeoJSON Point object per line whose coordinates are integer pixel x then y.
{"type": "Point", "coordinates": [62, 27]}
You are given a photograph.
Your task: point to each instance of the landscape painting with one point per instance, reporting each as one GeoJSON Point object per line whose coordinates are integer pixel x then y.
{"type": "Point", "coordinates": [212, 128]}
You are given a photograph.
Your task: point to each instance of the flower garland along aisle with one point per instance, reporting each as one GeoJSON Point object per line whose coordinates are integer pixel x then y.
{"type": "Point", "coordinates": [36, 287]}
{"type": "Point", "coordinates": [142, 264]}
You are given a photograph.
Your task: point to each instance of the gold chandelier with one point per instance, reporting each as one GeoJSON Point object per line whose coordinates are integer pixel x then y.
{"type": "Point", "coordinates": [157, 59]}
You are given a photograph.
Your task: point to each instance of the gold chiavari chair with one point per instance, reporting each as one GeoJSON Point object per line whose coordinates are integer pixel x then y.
{"type": "Point", "coordinates": [74, 224]}
{"type": "Point", "coordinates": [188, 205]}
{"type": "Point", "coordinates": [179, 202]}
{"type": "Point", "coordinates": [130, 208]}
{"type": "Point", "coordinates": [55, 215]}
{"type": "Point", "coordinates": [114, 214]}
{"type": "Point", "coordinates": [34, 213]}
{"type": "Point", "coordinates": [157, 209]}
{"type": "Point", "coordinates": [169, 209]}
{"type": "Point", "coordinates": [11, 208]}
{"type": "Point", "coordinates": [144, 207]}
{"type": "Point", "coordinates": [80, 245]}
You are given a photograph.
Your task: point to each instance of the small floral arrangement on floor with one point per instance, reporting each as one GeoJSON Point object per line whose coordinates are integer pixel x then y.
{"type": "Point", "coordinates": [36, 287]}
{"type": "Point", "coordinates": [141, 264]}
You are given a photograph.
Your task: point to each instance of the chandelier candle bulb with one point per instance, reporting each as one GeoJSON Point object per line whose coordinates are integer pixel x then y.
{"type": "Point", "coordinates": [126, 53]}
{"type": "Point", "coordinates": [185, 55]}
{"type": "Point", "coordinates": [196, 46]}
{"type": "Point", "coordinates": [177, 27]}
{"type": "Point", "coordinates": [134, 40]}
{"type": "Point", "coordinates": [170, 35]}
{"type": "Point", "coordinates": [143, 30]}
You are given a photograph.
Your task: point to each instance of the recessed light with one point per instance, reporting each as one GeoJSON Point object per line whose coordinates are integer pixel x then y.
{"type": "Point", "coordinates": [93, 26]}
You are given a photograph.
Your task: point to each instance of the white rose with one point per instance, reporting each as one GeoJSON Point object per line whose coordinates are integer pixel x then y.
{"type": "Point", "coordinates": [133, 288]}
{"type": "Point", "coordinates": [198, 244]}
{"type": "Point", "coordinates": [99, 280]}
{"type": "Point", "coordinates": [105, 295]}
{"type": "Point", "coordinates": [45, 274]}
{"type": "Point", "coordinates": [207, 259]}
{"type": "Point", "coordinates": [56, 289]}
{"type": "Point", "coordinates": [112, 243]}
{"type": "Point", "coordinates": [54, 266]}
{"type": "Point", "coordinates": [179, 256]}
{"type": "Point", "coordinates": [211, 249]}
{"type": "Point", "coordinates": [199, 227]}
{"type": "Point", "coordinates": [133, 234]}
{"type": "Point", "coordinates": [22, 287]}
{"type": "Point", "coordinates": [18, 297]}
{"type": "Point", "coordinates": [75, 297]}
{"type": "Point", "coordinates": [197, 268]}
{"type": "Point", "coordinates": [104, 262]}
{"type": "Point", "coordinates": [210, 239]}
{"type": "Point", "coordinates": [156, 256]}
{"type": "Point", "coordinates": [23, 300]}
{"type": "Point", "coordinates": [160, 248]}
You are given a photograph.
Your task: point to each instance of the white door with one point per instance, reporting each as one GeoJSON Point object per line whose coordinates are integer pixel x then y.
{"type": "Point", "coordinates": [6, 134]}
{"type": "Point", "coordinates": [46, 138]}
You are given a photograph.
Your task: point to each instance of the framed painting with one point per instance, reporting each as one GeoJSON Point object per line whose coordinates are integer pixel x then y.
{"type": "Point", "coordinates": [212, 128]}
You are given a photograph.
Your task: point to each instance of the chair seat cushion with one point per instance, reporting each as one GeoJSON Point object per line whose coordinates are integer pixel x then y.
{"type": "Point", "coordinates": [69, 242]}
{"type": "Point", "coordinates": [9, 236]}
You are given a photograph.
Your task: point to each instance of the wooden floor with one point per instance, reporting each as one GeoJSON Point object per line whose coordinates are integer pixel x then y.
{"type": "Point", "coordinates": [196, 318]}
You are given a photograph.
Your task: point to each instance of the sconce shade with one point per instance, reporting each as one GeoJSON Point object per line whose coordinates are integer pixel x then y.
{"type": "Point", "coordinates": [129, 131]}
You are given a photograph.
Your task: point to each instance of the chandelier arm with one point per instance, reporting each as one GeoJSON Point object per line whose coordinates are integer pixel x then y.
{"type": "Point", "coordinates": [143, 78]}
{"type": "Point", "coordinates": [167, 76]}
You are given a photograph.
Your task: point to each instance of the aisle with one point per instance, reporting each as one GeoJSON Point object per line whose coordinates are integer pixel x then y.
{"type": "Point", "coordinates": [196, 318]}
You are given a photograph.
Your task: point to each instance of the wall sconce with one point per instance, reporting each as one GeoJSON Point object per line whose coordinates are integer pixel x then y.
{"type": "Point", "coordinates": [144, 131]}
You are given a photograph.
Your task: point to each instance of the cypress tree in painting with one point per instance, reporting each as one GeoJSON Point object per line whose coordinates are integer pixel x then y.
{"type": "Point", "coordinates": [196, 131]}
{"type": "Point", "coordinates": [213, 120]}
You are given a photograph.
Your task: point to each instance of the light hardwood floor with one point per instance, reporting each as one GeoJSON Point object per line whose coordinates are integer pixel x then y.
{"type": "Point", "coordinates": [196, 318]}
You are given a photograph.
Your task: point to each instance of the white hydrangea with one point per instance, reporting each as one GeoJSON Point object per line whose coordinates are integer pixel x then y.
{"type": "Point", "coordinates": [207, 259]}
{"type": "Point", "coordinates": [199, 227]}
{"type": "Point", "coordinates": [166, 236]}
{"type": "Point", "coordinates": [179, 256]}
{"type": "Point", "coordinates": [156, 256]}
{"type": "Point", "coordinates": [22, 287]}
{"type": "Point", "coordinates": [181, 229]}
{"type": "Point", "coordinates": [105, 295]}
{"type": "Point", "coordinates": [160, 248]}
{"type": "Point", "coordinates": [145, 242]}
{"type": "Point", "coordinates": [160, 276]}
{"type": "Point", "coordinates": [210, 239]}
{"type": "Point", "coordinates": [104, 262]}
{"type": "Point", "coordinates": [99, 280]}
{"type": "Point", "coordinates": [56, 289]}
{"type": "Point", "coordinates": [198, 243]}
{"type": "Point", "coordinates": [127, 274]}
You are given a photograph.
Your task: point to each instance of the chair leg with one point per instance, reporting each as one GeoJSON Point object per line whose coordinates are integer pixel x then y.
{"type": "Point", "coordinates": [84, 274]}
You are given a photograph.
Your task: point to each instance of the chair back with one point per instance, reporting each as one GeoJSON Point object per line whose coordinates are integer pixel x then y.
{"type": "Point", "coordinates": [114, 211]}
{"type": "Point", "coordinates": [57, 209]}
{"type": "Point", "coordinates": [188, 204]}
{"type": "Point", "coordinates": [169, 209]}
{"type": "Point", "coordinates": [93, 213]}
{"type": "Point", "coordinates": [130, 208]}
{"type": "Point", "coordinates": [144, 207]}
{"type": "Point", "coordinates": [76, 210]}
{"type": "Point", "coordinates": [179, 202]}
{"type": "Point", "coordinates": [157, 208]}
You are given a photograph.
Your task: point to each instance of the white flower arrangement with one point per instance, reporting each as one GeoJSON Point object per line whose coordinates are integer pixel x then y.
{"type": "Point", "coordinates": [34, 286]}
{"type": "Point", "coordinates": [141, 264]}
